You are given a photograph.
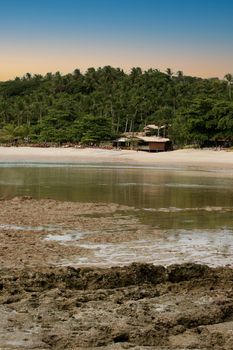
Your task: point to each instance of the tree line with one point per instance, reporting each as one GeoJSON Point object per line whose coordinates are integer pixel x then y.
{"type": "Point", "coordinates": [101, 104]}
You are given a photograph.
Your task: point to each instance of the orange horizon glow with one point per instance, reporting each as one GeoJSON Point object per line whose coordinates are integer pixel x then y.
{"type": "Point", "coordinates": [61, 35]}
{"type": "Point", "coordinates": [193, 64]}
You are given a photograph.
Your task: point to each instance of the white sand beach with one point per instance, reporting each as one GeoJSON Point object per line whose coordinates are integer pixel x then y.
{"type": "Point", "coordinates": [195, 159]}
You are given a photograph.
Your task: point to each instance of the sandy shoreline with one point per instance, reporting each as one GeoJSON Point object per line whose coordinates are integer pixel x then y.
{"type": "Point", "coordinates": [184, 159]}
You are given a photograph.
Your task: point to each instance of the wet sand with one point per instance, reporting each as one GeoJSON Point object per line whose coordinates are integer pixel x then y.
{"type": "Point", "coordinates": [49, 302]}
{"type": "Point", "coordinates": [185, 159]}
{"type": "Point", "coordinates": [50, 232]}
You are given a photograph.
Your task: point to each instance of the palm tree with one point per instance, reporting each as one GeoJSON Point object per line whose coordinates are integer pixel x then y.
{"type": "Point", "coordinates": [229, 79]}
{"type": "Point", "coordinates": [12, 133]}
{"type": "Point", "coordinates": [180, 74]}
{"type": "Point", "coordinates": [169, 72]}
{"type": "Point", "coordinates": [28, 76]}
{"type": "Point", "coordinates": [77, 74]}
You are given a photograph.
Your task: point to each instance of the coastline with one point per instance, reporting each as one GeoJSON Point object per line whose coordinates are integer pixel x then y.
{"type": "Point", "coordinates": [185, 159]}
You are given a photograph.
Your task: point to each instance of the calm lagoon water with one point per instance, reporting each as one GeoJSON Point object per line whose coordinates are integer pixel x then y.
{"type": "Point", "coordinates": [168, 199]}
{"type": "Point", "coordinates": [193, 209]}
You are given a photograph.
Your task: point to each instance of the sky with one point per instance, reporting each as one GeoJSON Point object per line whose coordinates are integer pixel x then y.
{"type": "Point", "coordinates": [40, 36]}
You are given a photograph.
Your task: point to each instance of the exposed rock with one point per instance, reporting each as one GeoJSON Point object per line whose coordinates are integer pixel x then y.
{"type": "Point", "coordinates": [134, 307]}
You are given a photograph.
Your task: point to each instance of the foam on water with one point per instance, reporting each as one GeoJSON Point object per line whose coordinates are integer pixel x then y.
{"type": "Point", "coordinates": [29, 228]}
{"type": "Point", "coordinates": [65, 235]}
{"type": "Point", "coordinates": [212, 247]}
{"type": "Point", "coordinates": [70, 236]}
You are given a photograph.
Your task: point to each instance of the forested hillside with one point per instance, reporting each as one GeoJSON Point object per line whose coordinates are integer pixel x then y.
{"type": "Point", "coordinates": [103, 103]}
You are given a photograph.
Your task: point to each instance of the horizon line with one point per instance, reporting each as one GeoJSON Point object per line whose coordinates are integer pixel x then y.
{"type": "Point", "coordinates": [127, 71]}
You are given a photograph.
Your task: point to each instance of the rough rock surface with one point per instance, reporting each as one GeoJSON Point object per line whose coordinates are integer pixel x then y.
{"type": "Point", "coordinates": [140, 306]}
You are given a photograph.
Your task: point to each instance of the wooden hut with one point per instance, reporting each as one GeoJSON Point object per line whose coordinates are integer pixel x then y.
{"type": "Point", "coordinates": [153, 144]}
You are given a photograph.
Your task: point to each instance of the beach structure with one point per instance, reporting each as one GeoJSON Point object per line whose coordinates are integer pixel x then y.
{"type": "Point", "coordinates": [152, 129]}
{"type": "Point", "coordinates": [122, 142]}
{"type": "Point", "coordinates": [144, 143]}
{"type": "Point", "coordinates": [153, 144]}
{"type": "Point", "coordinates": [148, 140]}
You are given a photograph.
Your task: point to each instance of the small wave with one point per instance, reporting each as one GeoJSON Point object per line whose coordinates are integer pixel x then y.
{"type": "Point", "coordinates": [176, 209]}
{"type": "Point", "coordinates": [179, 185]}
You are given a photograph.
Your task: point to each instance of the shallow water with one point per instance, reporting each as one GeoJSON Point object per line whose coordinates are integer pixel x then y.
{"type": "Point", "coordinates": [170, 247]}
{"type": "Point", "coordinates": [143, 188]}
{"type": "Point", "coordinates": [192, 210]}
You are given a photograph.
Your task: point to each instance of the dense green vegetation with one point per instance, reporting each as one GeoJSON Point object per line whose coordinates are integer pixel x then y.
{"type": "Point", "coordinates": [103, 103]}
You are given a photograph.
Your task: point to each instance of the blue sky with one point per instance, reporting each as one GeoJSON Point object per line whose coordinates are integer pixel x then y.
{"type": "Point", "coordinates": [49, 35]}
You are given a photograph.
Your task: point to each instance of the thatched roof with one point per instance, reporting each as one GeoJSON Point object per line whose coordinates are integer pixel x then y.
{"type": "Point", "coordinates": [153, 139]}
{"type": "Point", "coordinates": [122, 139]}
{"type": "Point", "coordinates": [154, 127]}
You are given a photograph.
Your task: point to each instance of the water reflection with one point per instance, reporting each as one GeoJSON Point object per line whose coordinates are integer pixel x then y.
{"type": "Point", "coordinates": [192, 211]}
{"type": "Point", "coordinates": [148, 189]}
